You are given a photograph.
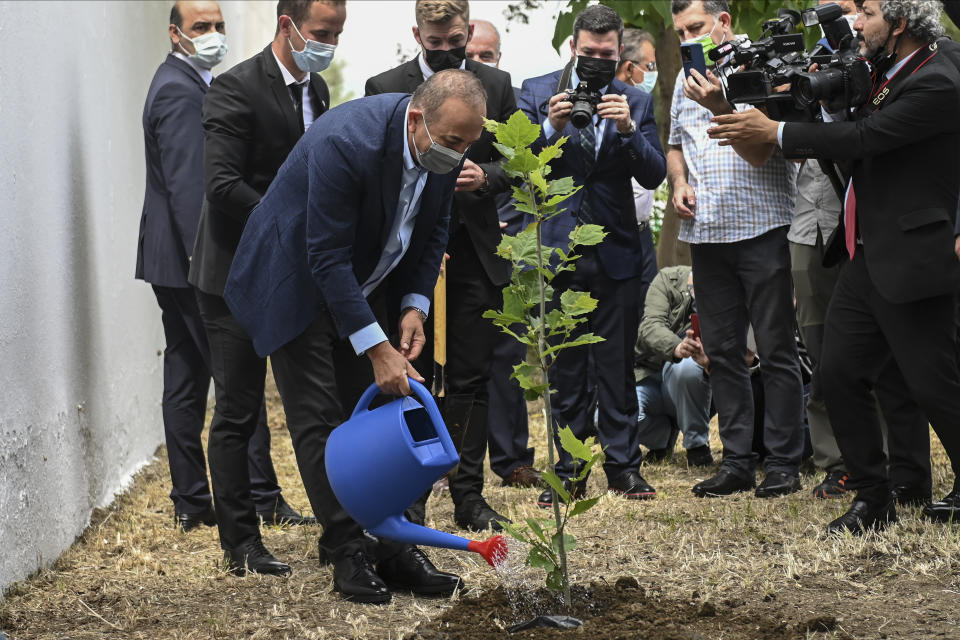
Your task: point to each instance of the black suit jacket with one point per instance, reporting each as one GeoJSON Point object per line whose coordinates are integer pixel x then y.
{"type": "Point", "coordinates": [249, 126]}
{"type": "Point", "coordinates": [476, 211]}
{"type": "Point", "coordinates": [173, 145]}
{"type": "Point", "coordinates": [906, 175]}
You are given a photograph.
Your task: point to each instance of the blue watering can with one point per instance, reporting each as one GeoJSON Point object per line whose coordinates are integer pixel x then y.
{"type": "Point", "coordinates": [381, 460]}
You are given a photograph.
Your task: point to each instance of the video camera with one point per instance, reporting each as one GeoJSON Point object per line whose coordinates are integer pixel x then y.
{"type": "Point", "coordinates": [779, 58]}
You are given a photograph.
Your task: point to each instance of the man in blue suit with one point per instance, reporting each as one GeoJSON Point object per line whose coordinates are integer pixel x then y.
{"type": "Point", "coordinates": [364, 197]}
{"type": "Point", "coordinates": [619, 143]}
{"type": "Point", "coordinates": [173, 142]}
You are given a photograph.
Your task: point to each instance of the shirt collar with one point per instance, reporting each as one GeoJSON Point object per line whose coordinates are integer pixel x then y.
{"type": "Point", "coordinates": [288, 78]}
{"type": "Point", "coordinates": [427, 71]}
{"type": "Point", "coordinates": [575, 80]}
{"type": "Point", "coordinates": [205, 74]}
{"type": "Point", "coordinates": [408, 163]}
{"type": "Point", "coordinates": [899, 65]}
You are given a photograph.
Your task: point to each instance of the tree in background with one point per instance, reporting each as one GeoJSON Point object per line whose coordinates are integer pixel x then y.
{"type": "Point", "coordinates": [333, 76]}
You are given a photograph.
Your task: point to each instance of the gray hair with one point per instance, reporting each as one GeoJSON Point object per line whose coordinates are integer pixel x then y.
{"type": "Point", "coordinates": [450, 83]}
{"type": "Point", "coordinates": [922, 17]}
{"type": "Point", "coordinates": [711, 7]}
{"type": "Point", "coordinates": [633, 40]}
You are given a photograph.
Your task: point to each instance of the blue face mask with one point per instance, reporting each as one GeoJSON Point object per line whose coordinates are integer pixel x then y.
{"type": "Point", "coordinates": [315, 57]}
{"type": "Point", "coordinates": [648, 82]}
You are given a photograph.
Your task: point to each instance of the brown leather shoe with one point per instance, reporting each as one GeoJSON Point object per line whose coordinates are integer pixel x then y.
{"type": "Point", "coordinates": [523, 476]}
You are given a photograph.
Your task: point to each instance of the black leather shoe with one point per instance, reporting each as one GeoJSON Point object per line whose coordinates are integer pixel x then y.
{"type": "Point", "coordinates": [188, 521]}
{"type": "Point", "coordinates": [862, 516]}
{"type": "Point", "coordinates": [658, 455]}
{"type": "Point", "coordinates": [411, 570]}
{"type": "Point", "coordinates": [355, 579]}
{"type": "Point", "coordinates": [254, 557]}
{"type": "Point", "coordinates": [778, 483]}
{"type": "Point", "coordinates": [545, 501]}
{"type": "Point", "coordinates": [910, 495]}
{"type": "Point", "coordinates": [477, 515]}
{"type": "Point", "coordinates": [283, 514]}
{"type": "Point", "coordinates": [700, 456]}
{"type": "Point", "coordinates": [947, 509]}
{"type": "Point", "coordinates": [631, 486]}
{"type": "Point", "coordinates": [722, 484]}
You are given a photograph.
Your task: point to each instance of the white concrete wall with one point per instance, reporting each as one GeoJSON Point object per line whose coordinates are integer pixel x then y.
{"type": "Point", "coordinates": [80, 376]}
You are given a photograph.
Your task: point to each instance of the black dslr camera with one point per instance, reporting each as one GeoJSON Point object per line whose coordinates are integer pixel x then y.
{"type": "Point", "coordinates": [585, 103]}
{"type": "Point", "coordinates": [843, 79]}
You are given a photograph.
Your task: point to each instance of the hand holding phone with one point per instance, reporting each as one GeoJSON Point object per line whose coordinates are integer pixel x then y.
{"type": "Point", "coordinates": [695, 325]}
{"type": "Point", "coordinates": [692, 57]}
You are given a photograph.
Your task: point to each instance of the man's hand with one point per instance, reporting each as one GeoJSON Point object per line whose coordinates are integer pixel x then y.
{"type": "Point", "coordinates": [614, 107]}
{"type": "Point", "coordinates": [559, 112]}
{"type": "Point", "coordinates": [688, 347]}
{"type": "Point", "coordinates": [411, 334]}
{"type": "Point", "coordinates": [747, 127]}
{"type": "Point", "coordinates": [390, 370]}
{"type": "Point", "coordinates": [706, 91]}
{"type": "Point", "coordinates": [956, 247]}
{"type": "Point", "coordinates": [471, 177]}
{"type": "Point", "coordinates": [684, 200]}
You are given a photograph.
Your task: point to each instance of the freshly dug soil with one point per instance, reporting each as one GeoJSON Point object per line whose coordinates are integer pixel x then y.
{"type": "Point", "coordinates": [619, 611]}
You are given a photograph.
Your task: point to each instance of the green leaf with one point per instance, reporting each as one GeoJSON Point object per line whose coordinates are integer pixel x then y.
{"type": "Point", "coordinates": [536, 177]}
{"type": "Point", "coordinates": [574, 445]}
{"type": "Point", "coordinates": [534, 394]}
{"type": "Point", "coordinates": [536, 528]}
{"type": "Point", "coordinates": [584, 471]}
{"type": "Point", "coordinates": [518, 131]}
{"type": "Point", "coordinates": [554, 481]}
{"type": "Point", "coordinates": [553, 151]}
{"type": "Point", "coordinates": [539, 560]}
{"type": "Point", "coordinates": [491, 125]}
{"type": "Point", "coordinates": [527, 375]}
{"type": "Point", "coordinates": [582, 505]}
{"type": "Point", "coordinates": [515, 532]}
{"type": "Point", "coordinates": [505, 151]}
{"type": "Point", "coordinates": [522, 162]}
{"type": "Point", "coordinates": [587, 235]}
{"type": "Point", "coordinates": [569, 542]}
{"type": "Point", "coordinates": [555, 580]}
{"type": "Point", "coordinates": [576, 303]}
{"type": "Point", "coordinates": [513, 306]}
{"type": "Point", "coordinates": [562, 186]}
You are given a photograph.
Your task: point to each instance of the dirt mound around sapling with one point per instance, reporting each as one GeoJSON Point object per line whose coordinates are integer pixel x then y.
{"type": "Point", "coordinates": [619, 611]}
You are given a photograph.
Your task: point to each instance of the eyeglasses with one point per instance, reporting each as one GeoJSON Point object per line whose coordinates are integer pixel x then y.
{"type": "Point", "coordinates": [649, 66]}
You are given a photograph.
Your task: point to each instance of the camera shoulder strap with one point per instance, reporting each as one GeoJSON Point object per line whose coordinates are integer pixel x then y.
{"type": "Point", "coordinates": [564, 83]}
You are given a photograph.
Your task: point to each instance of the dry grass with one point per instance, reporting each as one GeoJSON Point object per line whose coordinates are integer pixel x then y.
{"type": "Point", "coordinates": [130, 575]}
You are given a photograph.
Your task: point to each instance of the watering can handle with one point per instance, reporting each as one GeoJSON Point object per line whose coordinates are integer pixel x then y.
{"type": "Point", "coordinates": [425, 399]}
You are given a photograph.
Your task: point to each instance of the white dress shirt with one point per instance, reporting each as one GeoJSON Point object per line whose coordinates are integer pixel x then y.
{"type": "Point", "coordinates": [288, 80]}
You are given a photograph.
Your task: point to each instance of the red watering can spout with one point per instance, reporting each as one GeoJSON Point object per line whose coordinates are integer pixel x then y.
{"type": "Point", "coordinates": [494, 550]}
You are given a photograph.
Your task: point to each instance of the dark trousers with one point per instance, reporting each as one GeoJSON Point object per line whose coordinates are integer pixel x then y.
{"type": "Point", "coordinates": [649, 269]}
{"type": "Point", "coordinates": [186, 383]}
{"type": "Point", "coordinates": [738, 284]}
{"type": "Point", "coordinates": [238, 428]}
{"type": "Point", "coordinates": [863, 330]}
{"type": "Point", "coordinates": [509, 433]}
{"type": "Point", "coordinates": [616, 320]}
{"type": "Point", "coordinates": [320, 380]}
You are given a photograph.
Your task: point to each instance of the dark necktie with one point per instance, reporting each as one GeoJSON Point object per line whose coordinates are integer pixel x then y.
{"type": "Point", "coordinates": [588, 142]}
{"type": "Point", "coordinates": [296, 92]}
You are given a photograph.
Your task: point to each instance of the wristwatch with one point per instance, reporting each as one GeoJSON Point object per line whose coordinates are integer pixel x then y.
{"type": "Point", "coordinates": [423, 314]}
{"type": "Point", "coordinates": [632, 130]}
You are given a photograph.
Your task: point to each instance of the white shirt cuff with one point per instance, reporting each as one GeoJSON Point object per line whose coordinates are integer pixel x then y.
{"type": "Point", "coordinates": [780, 134]}
{"type": "Point", "coordinates": [415, 300]}
{"type": "Point", "coordinates": [548, 130]}
{"type": "Point", "coordinates": [370, 336]}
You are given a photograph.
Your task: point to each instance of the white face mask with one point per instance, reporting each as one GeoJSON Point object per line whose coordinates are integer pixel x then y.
{"type": "Point", "coordinates": [210, 48]}
{"type": "Point", "coordinates": [315, 57]}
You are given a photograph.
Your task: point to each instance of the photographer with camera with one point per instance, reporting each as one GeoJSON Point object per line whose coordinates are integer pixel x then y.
{"type": "Point", "coordinates": [895, 295]}
{"type": "Point", "coordinates": [735, 207]}
{"type": "Point", "coordinates": [612, 138]}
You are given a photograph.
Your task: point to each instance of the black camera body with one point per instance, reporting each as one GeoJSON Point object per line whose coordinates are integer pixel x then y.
{"type": "Point", "coordinates": [779, 58]}
{"type": "Point", "coordinates": [585, 101]}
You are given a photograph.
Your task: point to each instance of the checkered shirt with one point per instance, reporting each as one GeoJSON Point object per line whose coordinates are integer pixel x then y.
{"type": "Point", "coordinates": [735, 201]}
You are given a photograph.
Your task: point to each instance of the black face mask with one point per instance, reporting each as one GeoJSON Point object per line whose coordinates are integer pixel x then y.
{"type": "Point", "coordinates": [596, 72]}
{"type": "Point", "coordinates": [441, 59]}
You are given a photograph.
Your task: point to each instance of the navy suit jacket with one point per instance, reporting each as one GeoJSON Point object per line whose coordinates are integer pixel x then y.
{"type": "Point", "coordinates": [608, 182]}
{"type": "Point", "coordinates": [320, 229]}
{"type": "Point", "coordinates": [173, 144]}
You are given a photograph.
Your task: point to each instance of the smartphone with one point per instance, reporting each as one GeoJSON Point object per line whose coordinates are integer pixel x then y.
{"type": "Point", "coordinates": [692, 56]}
{"type": "Point", "coordinates": [695, 325]}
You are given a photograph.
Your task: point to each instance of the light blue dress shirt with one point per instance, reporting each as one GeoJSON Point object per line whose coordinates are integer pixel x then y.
{"type": "Point", "coordinates": [412, 181]}
{"type": "Point", "coordinates": [600, 124]}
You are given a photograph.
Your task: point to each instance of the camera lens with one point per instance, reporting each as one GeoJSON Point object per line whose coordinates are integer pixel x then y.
{"type": "Point", "coordinates": [582, 114]}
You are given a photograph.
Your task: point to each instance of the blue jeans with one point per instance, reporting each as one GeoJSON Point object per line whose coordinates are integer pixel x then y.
{"type": "Point", "coordinates": [677, 398]}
